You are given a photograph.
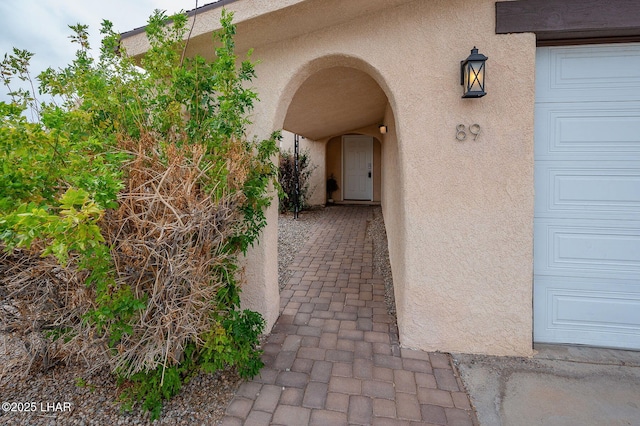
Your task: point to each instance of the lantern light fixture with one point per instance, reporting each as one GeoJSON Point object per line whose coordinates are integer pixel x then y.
{"type": "Point", "coordinates": [382, 128]}
{"type": "Point", "coordinates": [472, 73]}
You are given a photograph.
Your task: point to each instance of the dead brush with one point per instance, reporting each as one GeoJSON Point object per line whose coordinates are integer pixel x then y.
{"type": "Point", "coordinates": [152, 192]}
{"type": "Point", "coordinates": [39, 299]}
{"type": "Point", "coordinates": [167, 240]}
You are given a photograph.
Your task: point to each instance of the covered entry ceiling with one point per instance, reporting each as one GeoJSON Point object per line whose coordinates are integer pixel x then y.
{"type": "Point", "coordinates": [335, 101]}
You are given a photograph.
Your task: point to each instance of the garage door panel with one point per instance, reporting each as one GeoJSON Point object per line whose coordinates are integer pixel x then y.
{"type": "Point", "coordinates": [587, 205]}
{"type": "Point", "coordinates": [569, 130]}
{"type": "Point", "coordinates": [596, 248]}
{"type": "Point", "coordinates": [601, 313]}
{"type": "Point", "coordinates": [585, 73]}
{"type": "Point", "coordinates": [594, 189]}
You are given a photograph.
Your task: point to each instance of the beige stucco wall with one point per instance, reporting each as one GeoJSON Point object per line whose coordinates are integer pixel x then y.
{"type": "Point", "coordinates": [334, 164]}
{"type": "Point", "coordinates": [459, 215]}
{"type": "Point", "coordinates": [462, 247]}
{"type": "Point", "coordinates": [315, 150]}
{"type": "Point", "coordinates": [260, 272]}
{"type": "Point", "coordinates": [377, 170]}
{"type": "Point", "coordinates": [393, 211]}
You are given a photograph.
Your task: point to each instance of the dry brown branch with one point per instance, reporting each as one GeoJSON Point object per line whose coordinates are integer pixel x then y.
{"type": "Point", "coordinates": [38, 295]}
{"type": "Point", "coordinates": [166, 240]}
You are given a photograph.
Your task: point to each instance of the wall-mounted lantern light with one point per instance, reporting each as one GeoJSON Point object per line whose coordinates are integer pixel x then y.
{"type": "Point", "coordinates": [472, 75]}
{"type": "Point", "coordinates": [382, 128]}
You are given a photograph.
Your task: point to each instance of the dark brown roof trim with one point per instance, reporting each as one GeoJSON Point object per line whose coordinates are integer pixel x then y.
{"type": "Point", "coordinates": [565, 20]}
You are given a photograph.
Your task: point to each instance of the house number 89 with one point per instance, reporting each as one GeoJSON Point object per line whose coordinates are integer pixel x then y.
{"type": "Point", "coordinates": [461, 131]}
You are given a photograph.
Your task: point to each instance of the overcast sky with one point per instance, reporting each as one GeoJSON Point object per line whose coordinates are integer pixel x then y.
{"type": "Point", "coordinates": [41, 26]}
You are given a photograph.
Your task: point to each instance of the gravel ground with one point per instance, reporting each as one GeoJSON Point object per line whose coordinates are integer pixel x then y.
{"type": "Point", "coordinates": [292, 235]}
{"type": "Point", "coordinates": [376, 231]}
{"type": "Point", "coordinates": [64, 395]}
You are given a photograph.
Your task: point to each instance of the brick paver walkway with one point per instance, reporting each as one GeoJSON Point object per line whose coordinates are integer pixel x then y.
{"type": "Point", "coordinates": [333, 357]}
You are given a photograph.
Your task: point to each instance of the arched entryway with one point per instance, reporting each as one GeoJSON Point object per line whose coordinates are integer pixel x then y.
{"type": "Point", "coordinates": [458, 213]}
{"type": "Point", "coordinates": [338, 102]}
{"type": "Point", "coordinates": [341, 102]}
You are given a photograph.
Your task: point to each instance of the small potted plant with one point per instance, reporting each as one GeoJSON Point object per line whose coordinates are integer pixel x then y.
{"type": "Point", "coordinates": [332, 186]}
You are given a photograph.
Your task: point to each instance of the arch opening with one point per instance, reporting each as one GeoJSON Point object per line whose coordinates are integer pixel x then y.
{"type": "Point", "coordinates": [327, 99]}
{"type": "Point", "coordinates": [332, 102]}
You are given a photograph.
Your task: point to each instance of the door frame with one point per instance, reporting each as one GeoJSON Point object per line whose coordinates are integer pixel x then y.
{"type": "Point", "coordinates": [344, 140]}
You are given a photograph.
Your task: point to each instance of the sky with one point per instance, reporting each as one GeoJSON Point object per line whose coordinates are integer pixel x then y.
{"type": "Point", "coordinates": [41, 26]}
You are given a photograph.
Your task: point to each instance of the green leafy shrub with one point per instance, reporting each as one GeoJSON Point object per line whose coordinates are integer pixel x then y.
{"type": "Point", "coordinates": [287, 176]}
{"type": "Point", "coordinates": [126, 203]}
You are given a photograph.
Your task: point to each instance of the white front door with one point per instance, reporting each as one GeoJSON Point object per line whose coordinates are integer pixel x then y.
{"type": "Point", "coordinates": [358, 167]}
{"type": "Point", "coordinates": [587, 206]}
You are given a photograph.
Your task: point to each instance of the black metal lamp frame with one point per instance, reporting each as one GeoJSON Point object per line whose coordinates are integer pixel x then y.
{"type": "Point", "coordinates": [472, 73]}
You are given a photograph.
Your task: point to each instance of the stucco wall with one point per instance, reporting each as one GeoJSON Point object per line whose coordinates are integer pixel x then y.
{"type": "Point", "coordinates": [315, 150]}
{"type": "Point", "coordinates": [469, 205]}
{"type": "Point", "coordinates": [459, 215]}
{"type": "Point", "coordinates": [463, 251]}
{"type": "Point", "coordinates": [260, 291]}
{"type": "Point", "coordinates": [393, 211]}
{"type": "Point", "coordinates": [377, 169]}
{"type": "Point", "coordinates": [334, 164]}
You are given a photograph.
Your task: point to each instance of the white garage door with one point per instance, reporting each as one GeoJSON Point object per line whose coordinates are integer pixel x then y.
{"type": "Point", "coordinates": [587, 209]}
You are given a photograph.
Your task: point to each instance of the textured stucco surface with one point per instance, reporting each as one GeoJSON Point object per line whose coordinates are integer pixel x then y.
{"type": "Point", "coordinates": [261, 273]}
{"type": "Point", "coordinates": [334, 164]}
{"type": "Point", "coordinates": [393, 211]}
{"type": "Point", "coordinates": [315, 150]}
{"type": "Point", "coordinates": [459, 215]}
